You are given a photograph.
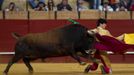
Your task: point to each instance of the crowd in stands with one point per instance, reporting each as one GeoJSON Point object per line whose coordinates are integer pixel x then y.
{"type": "Point", "coordinates": [12, 7]}
{"type": "Point", "coordinates": [112, 5]}
{"type": "Point", "coordinates": [1, 2]}
{"type": "Point", "coordinates": [64, 5]}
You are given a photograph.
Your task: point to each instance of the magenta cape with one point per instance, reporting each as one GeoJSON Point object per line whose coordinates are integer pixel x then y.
{"type": "Point", "coordinates": [107, 43]}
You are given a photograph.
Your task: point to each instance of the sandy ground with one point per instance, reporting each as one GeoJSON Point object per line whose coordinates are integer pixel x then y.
{"type": "Point", "coordinates": [64, 69]}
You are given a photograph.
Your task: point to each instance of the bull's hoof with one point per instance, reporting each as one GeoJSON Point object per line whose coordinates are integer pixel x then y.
{"type": "Point", "coordinates": [103, 70]}
{"type": "Point", "coordinates": [4, 73]}
{"type": "Point", "coordinates": [31, 71]}
{"type": "Point", "coordinates": [87, 69]}
{"type": "Point", "coordinates": [83, 63]}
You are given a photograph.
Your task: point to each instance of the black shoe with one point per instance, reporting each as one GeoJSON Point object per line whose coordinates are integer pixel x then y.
{"type": "Point", "coordinates": [87, 69]}
{"type": "Point", "coordinates": [103, 70]}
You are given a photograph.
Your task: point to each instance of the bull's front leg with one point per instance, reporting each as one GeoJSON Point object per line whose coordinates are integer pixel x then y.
{"type": "Point", "coordinates": [89, 56]}
{"type": "Point", "coordinates": [76, 57]}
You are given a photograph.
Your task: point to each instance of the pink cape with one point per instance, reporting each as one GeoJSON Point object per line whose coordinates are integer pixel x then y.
{"type": "Point", "coordinates": [108, 43]}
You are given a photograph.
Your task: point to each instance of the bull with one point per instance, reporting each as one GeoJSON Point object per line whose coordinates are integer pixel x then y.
{"type": "Point", "coordinates": [64, 41]}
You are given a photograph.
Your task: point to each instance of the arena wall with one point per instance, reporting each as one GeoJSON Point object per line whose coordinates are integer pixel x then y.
{"type": "Point", "coordinates": [23, 27]}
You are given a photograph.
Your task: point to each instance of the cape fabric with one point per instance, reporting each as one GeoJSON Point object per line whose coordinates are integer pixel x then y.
{"type": "Point", "coordinates": [107, 43]}
{"type": "Point", "coordinates": [129, 38]}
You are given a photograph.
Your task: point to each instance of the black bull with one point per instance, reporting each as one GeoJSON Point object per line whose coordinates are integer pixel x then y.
{"type": "Point", "coordinates": [64, 41]}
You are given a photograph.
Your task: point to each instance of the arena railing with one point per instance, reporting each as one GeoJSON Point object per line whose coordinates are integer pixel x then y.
{"type": "Point", "coordinates": [133, 15]}
{"type": "Point", "coordinates": [16, 15]}
{"type": "Point", "coordinates": [41, 15]}
{"type": "Point", "coordinates": [88, 15]}
{"type": "Point", "coordinates": [92, 14]}
{"type": "Point", "coordinates": [1, 15]}
{"type": "Point", "coordinates": [67, 14]}
{"type": "Point", "coordinates": [120, 15]}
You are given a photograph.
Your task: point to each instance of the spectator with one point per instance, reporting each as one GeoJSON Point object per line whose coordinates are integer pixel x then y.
{"type": "Point", "coordinates": [126, 3]}
{"type": "Point", "coordinates": [64, 6]}
{"type": "Point", "coordinates": [41, 7]}
{"type": "Point", "coordinates": [105, 7]}
{"type": "Point", "coordinates": [121, 8]}
{"type": "Point", "coordinates": [51, 5]}
{"type": "Point", "coordinates": [112, 1]}
{"type": "Point", "coordinates": [93, 4]}
{"type": "Point", "coordinates": [12, 7]}
{"type": "Point", "coordinates": [114, 4]}
{"type": "Point", "coordinates": [1, 2]}
{"type": "Point", "coordinates": [103, 1]}
{"type": "Point", "coordinates": [132, 6]}
{"type": "Point", "coordinates": [33, 3]}
{"type": "Point", "coordinates": [96, 4]}
{"type": "Point", "coordinates": [81, 6]}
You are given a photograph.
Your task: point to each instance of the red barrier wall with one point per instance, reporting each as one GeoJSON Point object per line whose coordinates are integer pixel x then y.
{"type": "Point", "coordinates": [22, 27]}
{"type": "Point", "coordinates": [6, 28]}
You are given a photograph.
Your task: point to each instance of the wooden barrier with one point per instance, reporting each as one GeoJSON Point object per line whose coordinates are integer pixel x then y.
{"type": "Point", "coordinates": [16, 15]}
{"type": "Point", "coordinates": [133, 15]}
{"type": "Point", "coordinates": [67, 14]}
{"type": "Point", "coordinates": [90, 14]}
{"type": "Point", "coordinates": [1, 15]}
{"type": "Point", "coordinates": [42, 15]}
{"type": "Point", "coordinates": [102, 14]}
{"type": "Point", "coordinates": [121, 15]}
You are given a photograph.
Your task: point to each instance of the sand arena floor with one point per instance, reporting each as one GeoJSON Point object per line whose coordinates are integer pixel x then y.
{"type": "Point", "coordinates": [64, 69]}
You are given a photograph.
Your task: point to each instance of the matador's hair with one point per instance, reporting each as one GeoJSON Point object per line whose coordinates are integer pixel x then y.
{"type": "Point", "coordinates": [101, 21]}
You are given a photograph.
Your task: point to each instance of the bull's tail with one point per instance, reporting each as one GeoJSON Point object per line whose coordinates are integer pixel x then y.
{"type": "Point", "coordinates": [16, 35]}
